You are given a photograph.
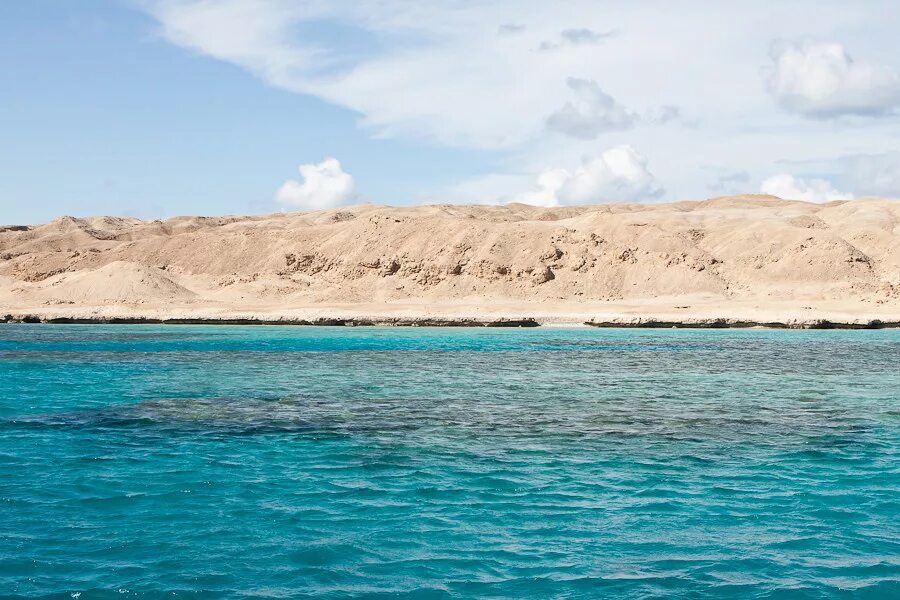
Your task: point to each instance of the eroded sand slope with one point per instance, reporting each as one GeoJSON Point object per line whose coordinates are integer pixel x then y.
{"type": "Point", "coordinates": [751, 258]}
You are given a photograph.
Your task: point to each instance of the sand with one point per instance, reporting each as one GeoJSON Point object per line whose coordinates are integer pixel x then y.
{"type": "Point", "coordinates": [740, 261]}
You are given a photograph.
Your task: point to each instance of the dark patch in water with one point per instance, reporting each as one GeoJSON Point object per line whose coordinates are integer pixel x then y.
{"type": "Point", "coordinates": [481, 419]}
{"type": "Point", "coordinates": [235, 416]}
{"type": "Point", "coordinates": [622, 345]}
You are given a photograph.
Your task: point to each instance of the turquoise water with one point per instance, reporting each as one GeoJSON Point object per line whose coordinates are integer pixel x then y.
{"type": "Point", "coordinates": [207, 462]}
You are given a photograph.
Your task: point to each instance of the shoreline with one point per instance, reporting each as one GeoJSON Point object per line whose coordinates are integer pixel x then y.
{"type": "Point", "coordinates": [629, 322]}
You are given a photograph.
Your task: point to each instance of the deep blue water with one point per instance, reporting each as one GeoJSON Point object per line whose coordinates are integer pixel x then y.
{"type": "Point", "coordinates": [161, 461]}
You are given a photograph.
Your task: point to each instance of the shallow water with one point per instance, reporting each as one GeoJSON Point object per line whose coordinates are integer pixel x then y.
{"type": "Point", "coordinates": [142, 461]}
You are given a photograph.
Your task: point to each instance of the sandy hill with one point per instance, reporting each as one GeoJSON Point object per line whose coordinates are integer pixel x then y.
{"type": "Point", "coordinates": [744, 258]}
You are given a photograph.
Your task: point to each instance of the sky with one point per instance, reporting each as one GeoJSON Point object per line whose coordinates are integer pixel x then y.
{"type": "Point", "coordinates": [157, 108]}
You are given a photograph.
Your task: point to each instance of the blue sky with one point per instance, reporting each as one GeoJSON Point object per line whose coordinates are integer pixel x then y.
{"type": "Point", "coordinates": [102, 116]}
{"type": "Point", "coordinates": [163, 107]}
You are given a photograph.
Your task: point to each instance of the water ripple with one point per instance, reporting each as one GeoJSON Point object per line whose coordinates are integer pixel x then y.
{"type": "Point", "coordinates": [238, 462]}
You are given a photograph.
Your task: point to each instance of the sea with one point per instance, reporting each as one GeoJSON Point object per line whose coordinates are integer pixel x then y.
{"type": "Point", "coordinates": [180, 461]}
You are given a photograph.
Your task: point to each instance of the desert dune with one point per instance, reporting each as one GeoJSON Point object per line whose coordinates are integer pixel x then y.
{"type": "Point", "coordinates": [743, 260]}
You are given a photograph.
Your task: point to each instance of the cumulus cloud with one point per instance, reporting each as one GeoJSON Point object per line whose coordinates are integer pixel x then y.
{"type": "Point", "coordinates": [619, 174]}
{"type": "Point", "coordinates": [593, 112]}
{"type": "Point", "coordinates": [789, 187]}
{"type": "Point", "coordinates": [469, 75]}
{"type": "Point", "coordinates": [322, 185]}
{"type": "Point", "coordinates": [822, 80]}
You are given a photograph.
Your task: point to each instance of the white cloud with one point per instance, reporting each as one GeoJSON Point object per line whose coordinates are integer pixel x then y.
{"type": "Point", "coordinates": [593, 112]}
{"type": "Point", "coordinates": [439, 72]}
{"type": "Point", "coordinates": [619, 174]}
{"type": "Point", "coordinates": [821, 80]}
{"type": "Point", "coordinates": [323, 185]}
{"type": "Point", "coordinates": [788, 187]}
{"type": "Point", "coordinates": [664, 114]}
{"type": "Point", "coordinates": [578, 37]}
{"type": "Point", "coordinates": [471, 75]}
{"type": "Point", "coordinates": [549, 183]}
